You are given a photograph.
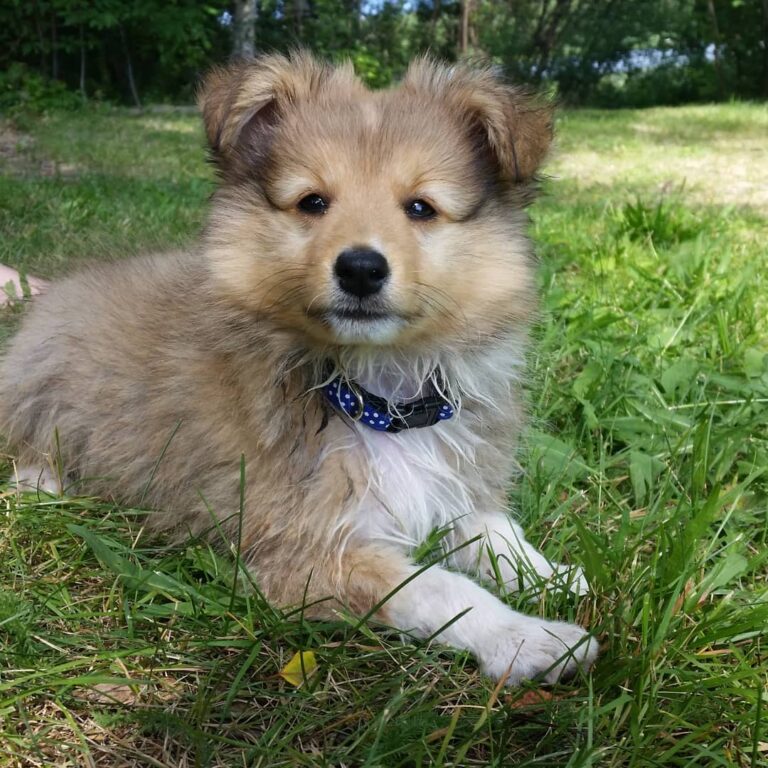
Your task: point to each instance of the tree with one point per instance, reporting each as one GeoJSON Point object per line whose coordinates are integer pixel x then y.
{"type": "Point", "coordinates": [591, 51]}
{"type": "Point", "coordinates": [244, 42]}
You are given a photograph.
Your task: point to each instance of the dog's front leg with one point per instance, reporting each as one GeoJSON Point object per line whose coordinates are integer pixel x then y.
{"type": "Point", "coordinates": [503, 549]}
{"type": "Point", "coordinates": [454, 610]}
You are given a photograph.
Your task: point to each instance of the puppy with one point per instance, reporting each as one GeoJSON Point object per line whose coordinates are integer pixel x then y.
{"type": "Point", "coordinates": [353, 324]}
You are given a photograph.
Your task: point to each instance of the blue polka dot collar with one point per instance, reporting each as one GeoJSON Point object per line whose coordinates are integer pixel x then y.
{"type": "Point", "coordinates": [375, 412]}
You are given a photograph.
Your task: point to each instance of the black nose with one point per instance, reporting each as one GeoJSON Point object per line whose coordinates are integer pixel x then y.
{"type": "Point", "coordinates": [361, 271]}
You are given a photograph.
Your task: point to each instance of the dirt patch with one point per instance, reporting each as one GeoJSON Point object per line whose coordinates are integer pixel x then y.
{"type": "Point", "coordinates": [18, 157]}
{"type": "Point", "coordinates": [14, 148]}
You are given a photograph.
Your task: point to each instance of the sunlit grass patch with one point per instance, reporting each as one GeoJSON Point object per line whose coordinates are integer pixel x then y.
{"type": "Point", "coordinates": [716, 153]}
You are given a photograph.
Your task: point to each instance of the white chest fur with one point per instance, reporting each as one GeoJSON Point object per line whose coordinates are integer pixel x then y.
{"type": "Point", "coordinates": [427, 478]}
{"type": "Point", "coordinates": [419, 480]}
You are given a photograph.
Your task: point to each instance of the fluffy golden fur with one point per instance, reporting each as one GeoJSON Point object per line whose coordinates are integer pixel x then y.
{"type": "Point", "coordinates": [158, 373]}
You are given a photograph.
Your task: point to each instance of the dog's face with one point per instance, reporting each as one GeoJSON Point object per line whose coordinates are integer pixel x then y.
{"type": "Point", "coordinates": [390, 218]}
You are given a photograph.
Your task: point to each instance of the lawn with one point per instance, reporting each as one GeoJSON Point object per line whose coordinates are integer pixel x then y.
{"type": "Point", "coordinates": [646, 461]}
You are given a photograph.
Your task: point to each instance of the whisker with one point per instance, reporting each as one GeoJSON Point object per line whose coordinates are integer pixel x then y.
{"type": "Point", "coordinates": [284, 298]}
{"type": "Point", "coordinates": [314, 299]}
{"type": "Point", "coordinates": [449, 299]}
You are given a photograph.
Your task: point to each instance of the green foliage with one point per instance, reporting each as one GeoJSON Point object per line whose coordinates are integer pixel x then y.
{"type": "Point", "coordinates": [15, 629]}
{"type": "Point", "coordinates": [96, 46]}
{"type": "Point", "coordinates": [663, 223]}
{"type": "Point", "coordinates": [22, 90]}
{"type": "Point", "coordinates": [665, 84]}
{"type": "Point", "coordinates": [630, 54]}
{"type": "Point", "coordinates": [641, 53]}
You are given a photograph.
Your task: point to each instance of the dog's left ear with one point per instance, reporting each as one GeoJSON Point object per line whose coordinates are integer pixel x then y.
{"type": "Point", "coordinates": [516, 125]}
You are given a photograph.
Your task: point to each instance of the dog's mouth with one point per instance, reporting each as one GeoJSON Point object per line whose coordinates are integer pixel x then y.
{"type": "Point", "coordinates": [361, 323]}
{"type": "Point", "coordinates": [360, 313]}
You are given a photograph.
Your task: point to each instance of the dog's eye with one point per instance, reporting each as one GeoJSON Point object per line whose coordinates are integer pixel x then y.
{"type": "Point", "coordinates": [420, 209]}
{"type": "Point", "coordinates": [313, 204]}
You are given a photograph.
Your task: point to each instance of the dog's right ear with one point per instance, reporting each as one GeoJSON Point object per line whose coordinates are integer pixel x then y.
{"type": "Point", "coordinates": [239, 98]}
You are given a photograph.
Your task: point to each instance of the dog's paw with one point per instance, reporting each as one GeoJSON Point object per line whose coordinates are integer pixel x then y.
{"type": "Point", "coordinates": [539, 574]}
{"type": "Point", "coordinates": [537, 649]}
{"type": "Point", "coordinates": [570, 577]}
{"type": "Point", "coordinates": [38, 478]}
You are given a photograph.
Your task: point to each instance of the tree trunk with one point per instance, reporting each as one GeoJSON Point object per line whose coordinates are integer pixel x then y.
{"type": "Point", "coordinates": [466, 13]}
{"type": "Point", "coordinates": [437, 10]}
{"type": "Point", "coordinates": [54, 49]}
{"type": "Point", "coordinates": [83, 92]}
{"type": "Point", "coordinates": [245, 28]}
{"type": "Point", "coordinates": [548, 29]}
{"type": "Point", "coordinates": [716, 34]}
{"type": "Point", "coordinates": [299, 10]}
{"type": "Point", "coordinates": [129, 69]}
{"type": "Point", "coordinates": [765, 48]}
{"type": "Point", "coordinates": [40, 38]}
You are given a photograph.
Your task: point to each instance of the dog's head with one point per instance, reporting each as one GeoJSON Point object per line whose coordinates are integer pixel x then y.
{"type": "Point", "coordinates": [390, 217]}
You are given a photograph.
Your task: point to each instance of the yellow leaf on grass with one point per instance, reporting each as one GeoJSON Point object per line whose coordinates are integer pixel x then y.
{"type": "Point", "coordinates": [301, 666]}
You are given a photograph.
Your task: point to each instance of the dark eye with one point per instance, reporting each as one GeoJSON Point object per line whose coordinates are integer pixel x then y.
{"type": "Point", "coordinates": [313, 204]}
{"type": "Point", "coordinates": [420, 209]}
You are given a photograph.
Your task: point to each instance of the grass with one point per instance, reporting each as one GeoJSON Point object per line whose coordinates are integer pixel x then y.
{"type": "Point", "coordinates": [93, 183]}
{"type": "Point", "coordinates": [646, 461]}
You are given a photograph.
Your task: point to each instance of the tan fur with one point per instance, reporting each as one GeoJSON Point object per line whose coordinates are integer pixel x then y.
{"type": "Point", "coordinates": [158, 373]}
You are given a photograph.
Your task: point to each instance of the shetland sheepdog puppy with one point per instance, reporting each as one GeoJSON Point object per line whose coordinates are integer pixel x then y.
{"type": "Point", "coordinates": [353, 323]}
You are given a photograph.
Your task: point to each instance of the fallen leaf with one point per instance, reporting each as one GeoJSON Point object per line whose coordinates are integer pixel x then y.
{"type": "Point", "coordinates": [301, 667]}
{"type": "Point", "coordinates": [529, 699]}
{"type": "Point", "coordinates": [682, 597]}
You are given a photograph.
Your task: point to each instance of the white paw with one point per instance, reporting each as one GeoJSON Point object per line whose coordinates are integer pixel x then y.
{"type": "Point", "coordinates": [520, 565]}
{"type": "Point", "coordinates": [536, 573]}
{"type": "Point", "coordinates": [570, 577]}
{"type": "Point", "coordinates": [40, 478]}
{"type": "Point", "coordinates": [537, 649]}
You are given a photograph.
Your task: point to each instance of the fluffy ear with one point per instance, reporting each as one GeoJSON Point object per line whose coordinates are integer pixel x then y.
{"type": "Point", "coordinates": [246, 92]}
{"type": "Point", "coordinates": [517, 126]}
